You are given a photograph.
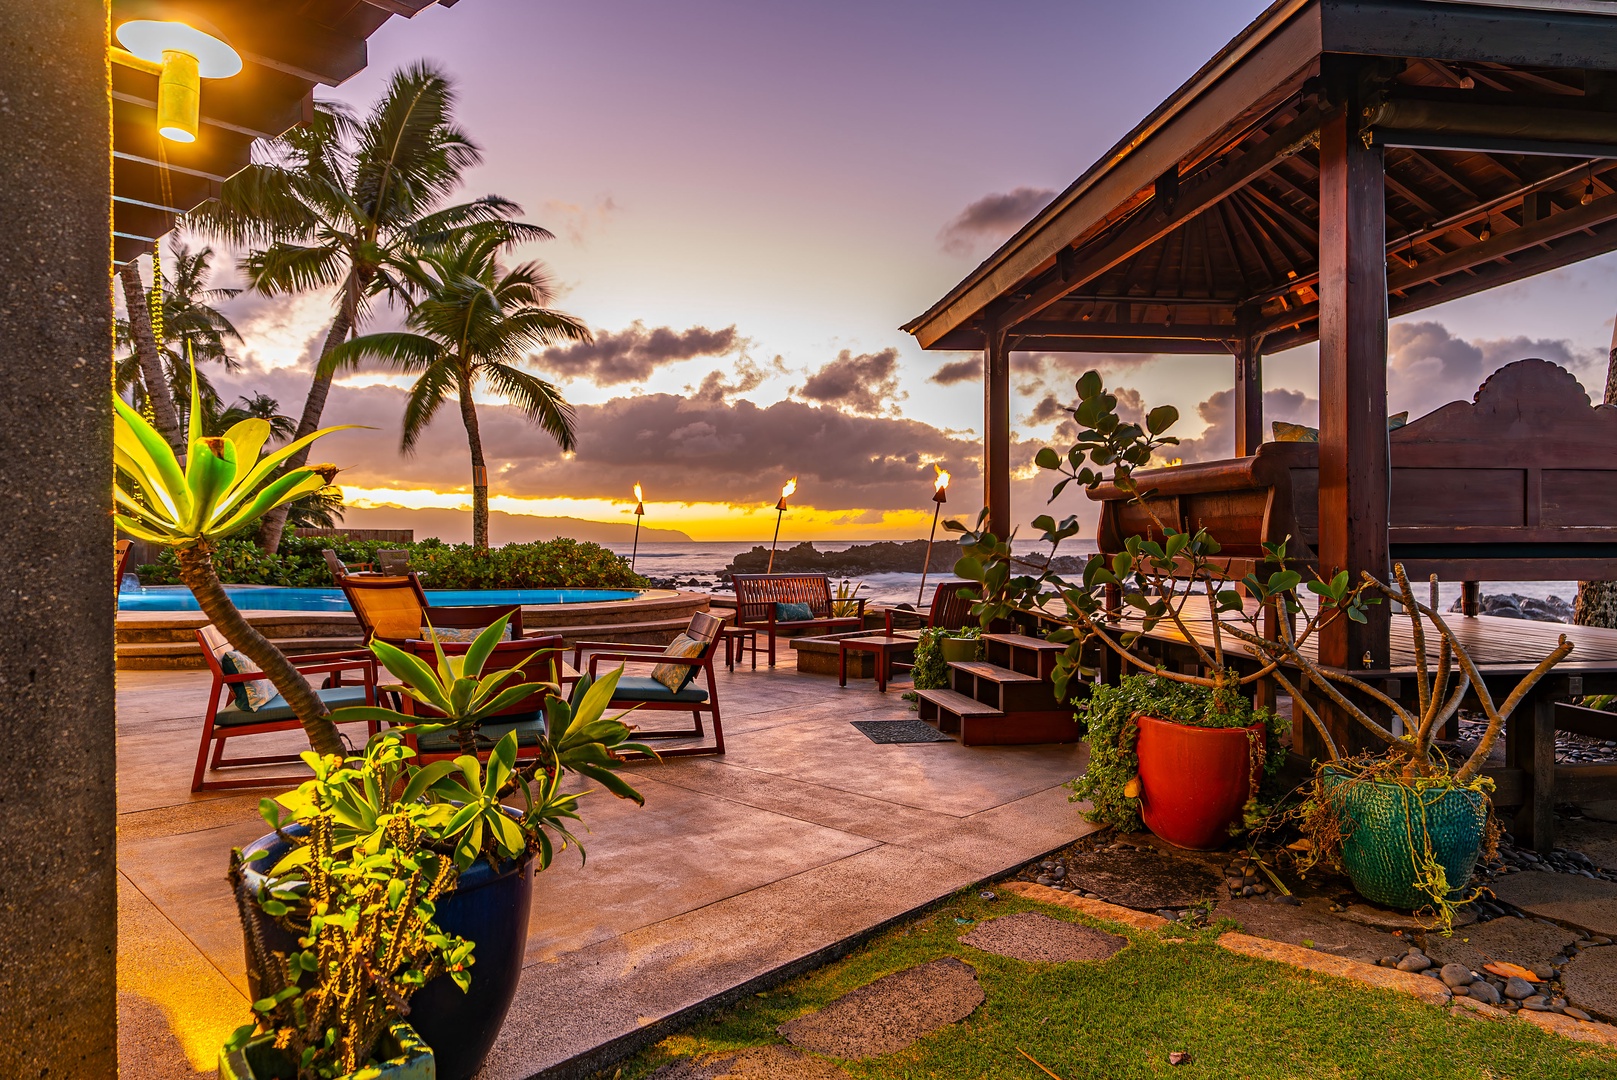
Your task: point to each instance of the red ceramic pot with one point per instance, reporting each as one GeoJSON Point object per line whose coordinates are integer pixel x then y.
{"type": "Point", "coordinates": [1194, 780]}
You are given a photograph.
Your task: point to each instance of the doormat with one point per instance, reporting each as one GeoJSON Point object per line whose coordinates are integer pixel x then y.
{"type": "Point", "coordinates": [899, 731]}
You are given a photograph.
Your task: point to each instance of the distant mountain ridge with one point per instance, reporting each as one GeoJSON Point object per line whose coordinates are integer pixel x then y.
{"type": "Point", "coordinates": [455, 526]}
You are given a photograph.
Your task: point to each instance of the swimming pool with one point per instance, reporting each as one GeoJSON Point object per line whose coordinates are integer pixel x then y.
{"type": "Point", "coordinates": [269, 598]}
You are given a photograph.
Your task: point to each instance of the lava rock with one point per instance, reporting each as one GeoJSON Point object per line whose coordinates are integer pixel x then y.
{"type": "Point", "coordinates": [1483, 992]}
{"type": "Point", "coordinates": [1517, 988]}
{"type": "Point", "coordinates": [1414, 962]}
{"type": "Point", "coordinates": [1455, 975]}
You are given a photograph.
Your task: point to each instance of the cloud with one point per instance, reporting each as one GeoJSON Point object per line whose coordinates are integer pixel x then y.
{"type": "Point", "coordinates": [632, 354]}
{"type": "Point", "coordinates": [576, 222]}
{"type": "Point", "coordinates": [1037, 368]}
{"type": "Point", "coordinates": [992, 218]}
{"type": "Point", "coordinates": [958, 371]}
{"type": "Point", "coordinates": [749, 376]}
{"type": "Point", "coordinates": [1428, 366]}
{"type": "Point", "coordinates": [1218, 413]}
{"type": "Point", "coordinates": [866, 383]}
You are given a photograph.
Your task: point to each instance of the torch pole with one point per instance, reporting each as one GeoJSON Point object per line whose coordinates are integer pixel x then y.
{"type": "Point", "coordinates": [780, 512]}
{"type": "Point", "coordinates": [634, 553]}
{"type": "Point", "coordinates": [925, 566]}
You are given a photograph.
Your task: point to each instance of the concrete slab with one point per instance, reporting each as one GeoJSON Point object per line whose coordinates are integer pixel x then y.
{"type": "Point", "coordinates": [754, 1063]}
{"type": "Point", "coordinates": [891, 1013]}
{"type": "Point", "coordinates": [1586, 903]}
{"type": "Point", "coordinates": [1596, 839]}
{"type": "Point", "coordinates": [1039, 939]}
{"type": "Point", "coordinates": [1312, 925]}
{"type": "Point", "coordinates": [1145, 879]}
{"type": "Point", "coordinates": [1515, 941]}
{"type": "Point", "coordinates": [1590, 979]}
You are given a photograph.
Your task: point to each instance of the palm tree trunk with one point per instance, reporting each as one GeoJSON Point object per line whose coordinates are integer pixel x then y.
{"type": "Point", "coordinates": [474, 438]}
{"type": "Point", "coordinates": [151, 365]}
{"type": "Point", "coordinates": [196, 571]}
{"type": "Point", "coordinates": [274, 522]}
{"type": "Point", "coordinates": [1596, 604]}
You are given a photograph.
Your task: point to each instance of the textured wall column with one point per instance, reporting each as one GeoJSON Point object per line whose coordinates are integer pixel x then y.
{"type": "Point", "coordinates": [997, 433]}
{"type": "Point", "coordinates": [58, 908]}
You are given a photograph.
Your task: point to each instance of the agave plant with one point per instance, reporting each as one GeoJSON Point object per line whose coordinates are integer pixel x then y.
{"type": "Point", "coordinates": [223, 487]}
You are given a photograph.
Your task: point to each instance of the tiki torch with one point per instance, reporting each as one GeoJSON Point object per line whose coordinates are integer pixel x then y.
{"type": "Point", "coordinates": [780, 511]}
{"type": "Point", "coordinates": [940, 495]}
{"type": "Point", "coordinates": [639, 512]}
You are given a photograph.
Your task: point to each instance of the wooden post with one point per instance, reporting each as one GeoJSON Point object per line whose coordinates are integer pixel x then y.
{"type": "Point", "coordinates": [997, 431]}
{"type": "Point", "coordinates": [1248, 396]}
{"type": "Point", "coordinates": [1353, 455]}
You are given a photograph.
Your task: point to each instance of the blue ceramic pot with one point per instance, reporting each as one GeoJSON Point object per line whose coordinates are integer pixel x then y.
{"type": "Point", "coordinates": [488, 906]}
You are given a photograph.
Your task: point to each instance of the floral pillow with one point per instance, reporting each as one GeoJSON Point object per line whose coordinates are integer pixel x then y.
{"type": "Point", "coordinates": [678, 676]}
{"type": "Point", "coordinates": [252, 694]}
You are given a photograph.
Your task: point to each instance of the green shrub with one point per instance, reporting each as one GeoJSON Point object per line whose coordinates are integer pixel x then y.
{"type": "Point", "coordinates": [931, 671]}
{"type": "Point", "coordinates": [544, 564]}
{"type": "Point", "coordinates": [1110, 714]}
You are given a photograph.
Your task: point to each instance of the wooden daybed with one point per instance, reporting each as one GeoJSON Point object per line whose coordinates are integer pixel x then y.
{"type": "Point", "coordinates": [1519, 484]}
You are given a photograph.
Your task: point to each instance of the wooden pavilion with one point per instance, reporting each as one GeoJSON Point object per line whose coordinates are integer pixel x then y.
{"type": "Point", "coordinates": [1339, 162]}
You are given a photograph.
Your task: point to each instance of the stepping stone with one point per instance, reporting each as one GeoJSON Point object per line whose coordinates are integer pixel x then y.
{"type": "Point", "coordinates": [890, 1013]}
{"type": "Point", "coordinates": [1590, 979]}
{"type": "Point", "coordinates": [1515, 941]}
{"type": "Point", "coordinates": [756, 1063]}
{"type": "Point", "coordinates": [1039, 939]}
{"type": "Point", "coordinates": [1312, 921]}
{"type": "Point", "coordinates": [1387, 919]}
{"type": "Point", "coordinates": [1587, 903]}
{"type": "Point", "coordinates": [1145, 880]}
{"type": "Point", "coordinates": [1596, 839]}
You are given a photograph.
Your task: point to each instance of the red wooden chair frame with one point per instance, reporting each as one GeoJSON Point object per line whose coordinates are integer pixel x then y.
{"type": "Point", "coordinates": [948, 610]}
{"type": "Point", "coordinates": [651, 655]}
{"type": "Point", "coordinates": [544, 653]}
{"type": "Point", "coordinates": [331, 664]}
{"type": "Point", "coordinates": [757, 595]}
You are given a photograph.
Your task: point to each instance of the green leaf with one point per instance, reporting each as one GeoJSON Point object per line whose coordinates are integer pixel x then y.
{"type": "Point", "coordinates": [1089, 384]}
{"type": "Point", "coordinates": [1047, 459]}
{"type": "Point", "coordinates": [1161, 418]}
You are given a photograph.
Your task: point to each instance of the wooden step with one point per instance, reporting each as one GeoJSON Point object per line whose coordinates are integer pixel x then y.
{"type": "Point", "coordinates": [1020, 728]}
{"type": "Point", "coordinates": [993, 672]}
{"type": "Point", "coordinates": [1022, 641]}
{"type": "Point", "coordinates": [957, 703]}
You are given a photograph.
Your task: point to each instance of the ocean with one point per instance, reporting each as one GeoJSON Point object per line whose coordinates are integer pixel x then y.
{"type": "Point", "coordinates": [708, 559]}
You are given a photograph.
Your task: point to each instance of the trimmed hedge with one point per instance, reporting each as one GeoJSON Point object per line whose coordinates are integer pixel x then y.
{"type": "Point", "coordinates": [544, 564]}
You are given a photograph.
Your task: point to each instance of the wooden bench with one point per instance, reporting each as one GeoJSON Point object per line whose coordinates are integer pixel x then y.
{"type": "Point", "coordinates": [757, 595]}
{"type": "Point", "coordinates": [1519, 484]}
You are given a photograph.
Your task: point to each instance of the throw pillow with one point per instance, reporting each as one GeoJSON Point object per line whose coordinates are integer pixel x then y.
{"type": "Point", "coordinates": [1285, 432]}
{"type": "Point", "coordinates": [678, 676]}
{"type": "Point", "coordinates": [459, 635]}
{"type": "Point", "coordinates": [793, 613]}
{"type": "Point", "coordinates": [252, 694]}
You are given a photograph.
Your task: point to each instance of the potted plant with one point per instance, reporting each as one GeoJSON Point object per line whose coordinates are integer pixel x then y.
{"type": "Point", "coordinates": [1405, 824]}
{"type": "Point", "coordinates": [937, 648]}
{"type": "Point", "coordinates": [1184, 760]}
{"type": "Point", "coordinates": [460, 807]}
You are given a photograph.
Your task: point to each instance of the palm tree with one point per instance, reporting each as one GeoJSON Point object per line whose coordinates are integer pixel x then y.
{"type": "Point", "coordinates": [344, 203]}
{"type": "Point", "coordinates": [473, 321]}
{"type": "Point", "coordinates": [191, 324]}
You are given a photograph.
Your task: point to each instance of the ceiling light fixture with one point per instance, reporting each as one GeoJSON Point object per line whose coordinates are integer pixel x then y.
{"type": "Point", "coordinates": [181, 56]}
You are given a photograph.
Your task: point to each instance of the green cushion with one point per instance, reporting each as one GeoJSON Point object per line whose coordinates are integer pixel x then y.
{"type": "Point", "coordinates": [276, 707]}
{"type": "Point", "coordinates": [528, 728]}
{"type": "Point", "coordinates": [793, 612]}
{"type": "Point", "coordinates": [645, 688]}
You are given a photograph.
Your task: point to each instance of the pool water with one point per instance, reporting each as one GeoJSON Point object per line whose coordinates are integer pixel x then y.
{"type": "Point", "coordinates": [268, 598]}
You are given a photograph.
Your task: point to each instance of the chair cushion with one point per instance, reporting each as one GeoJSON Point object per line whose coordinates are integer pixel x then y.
{"type": "Point", "coordinates": [793, 612]}
{"type": "Point", "coordinates": [645, 688]}
{"type": "Point", "coordinates": [678, 676]}
{"type": "Point", "coordinates": [528, 728]}
{"type": "Point", "coordinates": [276, 707]}
{"type": "Point", "coordinates": [1284, 432]}
{"type": "Point", "coordinates": [459, 635]}
{"type": "Point", "coordinates": [253, 694]}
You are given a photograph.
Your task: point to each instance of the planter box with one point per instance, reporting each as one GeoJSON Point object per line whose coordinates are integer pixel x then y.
{"type": "Point", "coordinates": [404, 1057]}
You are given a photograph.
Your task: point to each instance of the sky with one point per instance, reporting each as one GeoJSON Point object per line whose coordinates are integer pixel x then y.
{"type": "Point", "coordinates": [750, 196]}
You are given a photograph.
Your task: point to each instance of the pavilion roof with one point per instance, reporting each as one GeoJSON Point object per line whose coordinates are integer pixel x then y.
{"type": "Point", "coordinates": [287, 47]}
{"type": "Point", "coordinates": [1201, 225]}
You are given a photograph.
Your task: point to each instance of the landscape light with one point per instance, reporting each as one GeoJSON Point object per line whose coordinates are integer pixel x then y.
{"type": "Point", "coordinates": [639, 512]}
{"type": "Point", "coordinates": [780, 509]}
{"type": "Point", "coordinates": [181, 56]}
{"type": "Point", "coordinates": [940, 495]}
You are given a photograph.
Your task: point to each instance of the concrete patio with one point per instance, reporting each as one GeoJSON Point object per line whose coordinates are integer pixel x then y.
{"type": "Point", "coordinates": [738, 871]}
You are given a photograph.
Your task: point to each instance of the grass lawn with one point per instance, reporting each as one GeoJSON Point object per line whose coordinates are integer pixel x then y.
{"type": "Point", "coordinates": [1119, 1018]}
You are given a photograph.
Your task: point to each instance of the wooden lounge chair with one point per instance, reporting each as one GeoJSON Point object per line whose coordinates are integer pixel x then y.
{"type": "Point", "coordinates": [227, 720]}
{"type": "Point", "coordinates": [120, 559]}
{"type": "Point", "coordinates": [340, 569]}
{"type": "Point", "coordinates": [949, 610]}
{"type": "Point", "coordinates": [642, 692]}
{"type": "Point", "coordinates": [758, 594]}
{"type": "Point", "coordinates": [393, 608]}
{"type": "Point", "coordinates": [540, 660]}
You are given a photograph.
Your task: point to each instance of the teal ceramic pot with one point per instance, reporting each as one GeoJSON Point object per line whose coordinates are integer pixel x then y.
{"type": "Point", "coordinates": [1386, 825]}
{"type": "Point", "coordinates": [401, 1056]}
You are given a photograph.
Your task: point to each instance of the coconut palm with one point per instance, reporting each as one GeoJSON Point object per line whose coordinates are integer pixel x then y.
{"type": "Point", "coordinates": [343, 202]}
{"type": "Point", "coordinates": [192, 326]}
{"type": "Point", "coordinates": [474, 320]}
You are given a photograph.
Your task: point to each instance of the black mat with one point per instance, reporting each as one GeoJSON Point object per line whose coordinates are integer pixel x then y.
{"type": "Point", "coordinates": [899, 731]}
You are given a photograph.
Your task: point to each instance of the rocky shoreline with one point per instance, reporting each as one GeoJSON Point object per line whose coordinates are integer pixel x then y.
{"type": "Point", "coordinates": [882, 557]}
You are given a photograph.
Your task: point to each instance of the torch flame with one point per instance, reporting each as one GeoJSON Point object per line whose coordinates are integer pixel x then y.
{"type": "Point", "coordinates": [789, 487]}
{"type": "Point", "coordinates": [943, 478]}
{"type": "Point", "coordinates": [637, 496]}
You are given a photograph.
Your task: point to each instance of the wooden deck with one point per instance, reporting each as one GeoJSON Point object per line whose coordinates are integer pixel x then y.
{"type": "Point", "coordinates": [1504, 650]}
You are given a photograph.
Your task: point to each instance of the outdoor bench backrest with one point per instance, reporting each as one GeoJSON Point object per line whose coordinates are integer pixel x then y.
{"type": "Point", "coordinates": [757, 594]}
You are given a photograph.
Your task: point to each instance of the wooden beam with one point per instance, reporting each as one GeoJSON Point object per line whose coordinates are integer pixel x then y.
{"type": "Point", "coordinates": [997, 431]}
{"type": "Point", "coordinates": [1157, 331]}
{"type": "Point", "coordinates": [1248, 396]}
{"type": "Point", "coordinates": [1150, 225]}
{"type": "Point", "coordinates": [1508, 242]}
{"type": "Point", "coordinates": [266, 35]}
{"type": "Point", "coordinates": [1132, 345]}
{"type": "Point", "coordinates": [1353, 455]}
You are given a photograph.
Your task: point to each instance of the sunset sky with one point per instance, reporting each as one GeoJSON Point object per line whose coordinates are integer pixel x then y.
{"type": "Point", "coordinates": [750, 197]}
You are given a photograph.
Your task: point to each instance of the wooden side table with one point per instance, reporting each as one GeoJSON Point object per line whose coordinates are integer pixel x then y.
{"type": "Point", "coordinates": [884, 649]}
{"type": "Point", "coordinates": [739, 640]}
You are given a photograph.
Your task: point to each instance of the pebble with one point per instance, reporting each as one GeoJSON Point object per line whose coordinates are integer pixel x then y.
{"type": "Point", "coordinates": [1168, 913]}
{"type": "Point", "coordinates": [1235, 883]}
{"type": "Point", "coordinates": [1537, 1006]}
{"type": "Point", "coordinates": [986, 895]}
{"type": "Point", "coordinates": [1516, 987]}
{"type": "Point", "coordinates": [1543, 970]}
{"type": "Point", "coordinates": [1415, 962]}
{"type": "Point", "coordinates": [1483, 992]}
{"type": "Point", "coordinates": [1045, 879]}
{"type": "Point", "coordinates": [1286, 899]}
{"type": "Point", "coordinates": [1455, 975]}
{"type": "Point", "coordinates": [1578, 1014]}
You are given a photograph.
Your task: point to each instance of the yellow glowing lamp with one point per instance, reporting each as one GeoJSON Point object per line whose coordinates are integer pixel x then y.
{"type": "Point", "coordinates": [181, 56]}
{"type": "Point", "coordinates": [940, 487]}
{"type": "Point", "coordinates": [786, 491]}
{"type": "Point", "coordinates": [639, 502]}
